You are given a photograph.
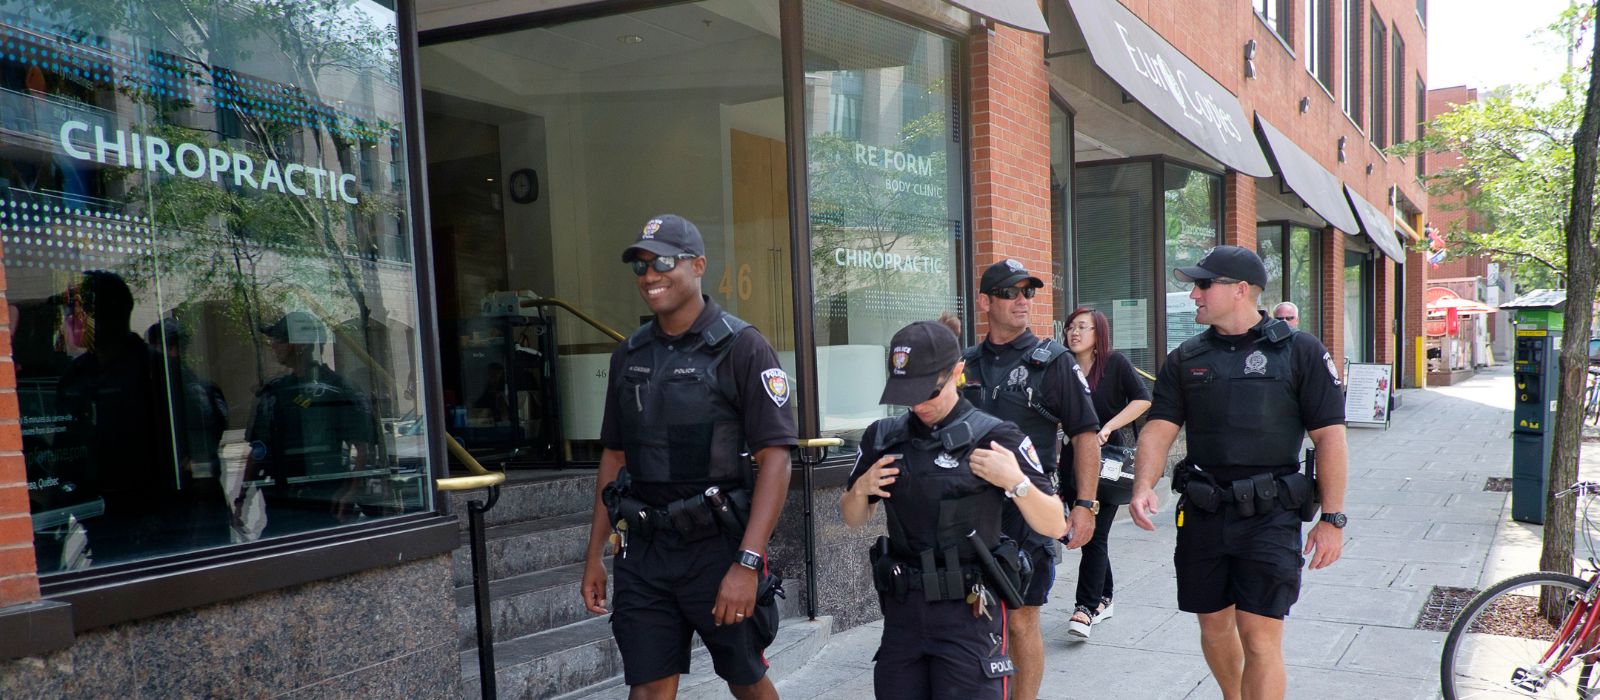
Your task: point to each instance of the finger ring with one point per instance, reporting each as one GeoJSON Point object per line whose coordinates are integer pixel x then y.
{"type": "Point", "coordinates": [739, 614]}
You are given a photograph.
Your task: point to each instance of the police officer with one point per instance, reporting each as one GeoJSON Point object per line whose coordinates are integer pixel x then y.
{"type": "Point", "coordinates": [946, 471]}
{"type": "Point", "coordinates": [1036, 384]}
{"type": "Point", "coordinates": [688, 394]}
{"type": "Point", "coordinates": [1249, 389]}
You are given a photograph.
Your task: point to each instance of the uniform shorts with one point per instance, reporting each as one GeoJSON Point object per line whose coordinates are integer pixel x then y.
{"type": "Point", "coordinates": [939, 650]}
{"type": "Point", "coordinates": [1252, 563]}
{"type": "Point", "coordinates": [664, 592]}
{"type": "Point", "coordinates": [1044, 574]}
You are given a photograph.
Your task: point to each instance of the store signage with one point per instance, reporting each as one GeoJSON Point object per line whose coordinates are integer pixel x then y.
{"type": "Point", "coordinates": [900, 162]}
{"type": "Point", "coordinates": [1366, 398]}
{"type": "Point", "coordinates": [895, 262]}
{"type": "Point", "coordinates": [191, 160]}
{"type": "Point", "coordinates": [1166, 82]}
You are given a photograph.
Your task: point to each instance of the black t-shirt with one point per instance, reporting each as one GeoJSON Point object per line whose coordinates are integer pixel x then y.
{"type": "Point", "coordinates": [1120, 385]}
{"type": "Point", "coordinates": [1316, 382]}
{"type": "Point", "coordinates": [766, 413]}
{"type": "Point", "coordinates": [920, 519]}
{"type": "Point", "coordinates": [1064, 391]}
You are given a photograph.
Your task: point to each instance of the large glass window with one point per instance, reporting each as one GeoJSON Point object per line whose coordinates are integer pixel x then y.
{"type": "Point", "coordinates": [1291, 255]}
{"type": "Point", "coordinates": [887, 196]}
{"type": "Point", "coordinates": [1192, 202]}
{"type": "Point", "coordinates": [1115, 258]}
{"type": "Point", "coordinates": [1319, 40]}
{"type": "Point", "coordinates": [549, 149]}
{"type": "Point", "coordinates": [1269, 245]}
{"type": "Point", "coordinates": [1276, 15]}
{"type": "Point", "coordinates": [1377, 98]}
{"type": "Point", "coordinates": [1061, 171]}
{"type": "Point", "coordinates": [1422, 125]}
{"type": "Point", "coordinates": [207, 251]}
{"type": "Point", "coordinates": [1350, 97]}
{"type": "Point", "coordinates": [1357, 306]}
{"type": "Point", "coordinates": [1398, 84]}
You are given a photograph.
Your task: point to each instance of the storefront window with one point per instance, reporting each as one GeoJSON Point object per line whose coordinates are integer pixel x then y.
{"type": "Point", "coordinates": [887, 195]}
{"type": "Point", "coordinates": [1269, 245]}
{"type": "Point", "coordinates": [1193, 206]}
{"type": "Point", "coordinates": [1116, 256]}
{"type": "Point", "coordinates": [207, 252]}
{"type": "Point", "coordinates": [1061, 266]}
{"type": "Point", "coordinates": [549, 149]}
{"type": "Point", "coordinates": [1357, 306]}
{"type": "Point", "coordinates": [1304, 259]}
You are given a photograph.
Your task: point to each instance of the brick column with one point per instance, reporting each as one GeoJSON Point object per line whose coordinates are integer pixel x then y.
{"type": "Point", "coordinates": [1239, 210]}
{"type": "Point", "coordinates": [1333, 294]}
{"type": "Point", "coordinates": [1416, 279]}
{"type": "Point", "coordinates": [1383, 326]}
{"type": "Point", "coordinates": [19, 582]}
{"type": "Point", "coordinates": [1011, 159]}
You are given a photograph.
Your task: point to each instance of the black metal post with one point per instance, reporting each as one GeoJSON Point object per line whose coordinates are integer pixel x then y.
{"type": "Point", "coordinates": [808, 463]}
{"type": "Point", "coordinates": [480, 591]}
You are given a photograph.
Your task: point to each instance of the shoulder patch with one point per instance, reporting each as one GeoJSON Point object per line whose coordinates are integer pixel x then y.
{"type": "Point", "coordinates": [1333, 369]}
{"type": "Point", "coordinates": [1030, 455]}
{"type": "Point", "coordinates": [776, 382]}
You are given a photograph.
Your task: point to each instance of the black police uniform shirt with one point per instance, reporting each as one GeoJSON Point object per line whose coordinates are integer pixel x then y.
{"type": "Point", "coordinates": [766, 413]}
{"type": "Point", "coordinates": [308, 423]}
{"type": "Point", "coordinates": [1064, 392]}
{"type": "Point", "coordinates": [1315, 382]}
{"type": "Point", "coordinates": [921, 518]}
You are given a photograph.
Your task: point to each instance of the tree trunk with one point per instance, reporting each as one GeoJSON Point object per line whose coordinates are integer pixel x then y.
{"type": "Point", "coordinates": [1560, 514]}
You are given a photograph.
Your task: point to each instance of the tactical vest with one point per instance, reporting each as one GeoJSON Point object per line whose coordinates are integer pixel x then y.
{"type": "Point", "coordinates": [1242, 405]}
{"type": "Point", "coordinates": [937, 474]}
{"type": "Point", "coordinates": [1020, 402]}
{"type": "Point", "coordinates": [679, 424]}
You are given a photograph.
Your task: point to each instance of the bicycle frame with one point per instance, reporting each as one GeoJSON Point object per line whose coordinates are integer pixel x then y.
{"type": "Point", "coordinates": [1569, 645]}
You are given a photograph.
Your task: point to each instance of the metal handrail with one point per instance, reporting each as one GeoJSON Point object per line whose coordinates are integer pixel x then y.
{"type": "Point", "coordinates": [808, 464]}
{"type": "Point", "coordinates": [575, 311]}
{"type": "Point", "coordinates": [469, 483]}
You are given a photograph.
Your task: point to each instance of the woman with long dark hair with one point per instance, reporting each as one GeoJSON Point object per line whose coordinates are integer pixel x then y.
{"type": "Point", "coordinates": [1120, 397]}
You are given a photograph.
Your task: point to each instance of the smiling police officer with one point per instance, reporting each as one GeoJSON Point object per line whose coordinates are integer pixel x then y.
{"type": "Point", "coordinates": [1036, 384]}
{"type": "Point", "coordinates": [945, 575]}
{"type": "Point", "coordinates": [1249, 389]}
{"type": "Point", "coordinates": [688, 394]}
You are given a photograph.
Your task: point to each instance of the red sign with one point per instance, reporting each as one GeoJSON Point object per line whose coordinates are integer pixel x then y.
{"type": "Point", "coordinates": [1433, 327]}
{"type": "Point", "coordinates": [1452, 321]}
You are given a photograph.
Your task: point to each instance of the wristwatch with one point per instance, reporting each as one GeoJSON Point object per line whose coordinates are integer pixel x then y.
{"type": "Point", "coordinates": [1021, 489]}
{"type": "Point", "coordinates": [751, 559]}
{"type": "Point", "coordinates": [1093, 506]}
{"type": "Point", "coordinates": [1337, 520]}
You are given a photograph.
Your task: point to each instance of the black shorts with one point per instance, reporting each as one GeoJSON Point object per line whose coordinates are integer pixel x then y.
{"type": "Point", "coordinates": [1044, 575]}
{"type": "Point", "coordinates": [939, 650]}
{"type": "Point", "coordinates": [664, 591]}
{"type": "Point", "coordinates": [1253, 563]}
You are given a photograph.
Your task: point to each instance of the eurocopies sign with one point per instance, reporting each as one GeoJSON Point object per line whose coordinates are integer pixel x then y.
{"type": "Point", "coordinates": [1170, 85]}
{"type": "Point", "coordinates": [155, 154]}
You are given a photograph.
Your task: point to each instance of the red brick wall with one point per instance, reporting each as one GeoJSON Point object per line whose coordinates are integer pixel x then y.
{"type": "Point", "coordinates": [1383, 324]}
{"type": "Point", "coordinates": [1011, 159]}
{"type": "Point", "coordinates": [18, 581]}
{"type": "Point", "coordinates": [1417, 274]}
{"type": "Point", "coordinates": [1333, 293]}
{"type": "Point", "coordinates": [1239, 210]}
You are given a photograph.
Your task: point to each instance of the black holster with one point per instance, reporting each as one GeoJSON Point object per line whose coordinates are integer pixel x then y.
{"type": "Point", "coordinates": [1199, 489]}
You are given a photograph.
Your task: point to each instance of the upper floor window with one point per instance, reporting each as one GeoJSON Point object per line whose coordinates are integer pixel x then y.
{"type": "Point", "coordinates": [1399, 82]}
{"type": "Point", "coordinates": [1351, 98]}
{"type": "Point", "coordinates": [1422, 12]}
{"type": "Point", "coordinates": [1319, 40]}
{"type": "Point", "coordinates": [1276, 14]}
{"type": "Point", "coordinates": [1378, 107]}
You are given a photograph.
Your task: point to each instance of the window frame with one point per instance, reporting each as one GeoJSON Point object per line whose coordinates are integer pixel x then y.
{"type": "Point", "coordinates": [1286, 232]}
{"type": "Point", "coordinates": [1422, 125]}
{"type": "Point", "coordinates": [1278, 15]}
{"type": "Point", "coordinates": [1377, 81]}
{"type": "Point", "coordinates": [1351, 93]}
{"type": "Point", "coordinates": [1319, 41]}
{"type": "Point", "coordinates": [1397, 62]}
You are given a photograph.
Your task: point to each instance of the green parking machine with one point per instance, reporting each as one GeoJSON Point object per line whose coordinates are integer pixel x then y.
{"type": "Point", "coordinates": [1537, 374]}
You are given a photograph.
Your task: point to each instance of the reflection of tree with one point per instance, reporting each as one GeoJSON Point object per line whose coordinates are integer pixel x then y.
{"type": "Point", "coordinates": [256, 250]}
{"type": "Point", "coordinates": [1191, 220]}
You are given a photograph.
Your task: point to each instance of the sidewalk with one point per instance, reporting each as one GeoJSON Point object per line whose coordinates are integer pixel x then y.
{"type": "Point", "coordinates": [1419, 517]}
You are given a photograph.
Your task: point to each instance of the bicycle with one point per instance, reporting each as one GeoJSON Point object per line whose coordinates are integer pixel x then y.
{"type": "Point", "coordinates": [1535, 635]}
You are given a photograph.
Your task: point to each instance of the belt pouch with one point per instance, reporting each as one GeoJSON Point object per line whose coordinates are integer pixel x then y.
{"type": "Point", "coordinates": [954, 586]}
{"type": "Point", "coordinates": [882, 565]}
{"type": "Point", "coordinates": [930, 577]}
{"type": "Point", "coordinates": [1266, 488]}
{"type": "Point", "coordinates": [691, 518]}
{"type": "Point", "coordinates": [1203, 495]}
{"type": "Point", "coordinates": [1244, 497]}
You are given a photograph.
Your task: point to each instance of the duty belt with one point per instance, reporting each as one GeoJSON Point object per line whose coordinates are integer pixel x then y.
{"type": "Point", "coordinates": [694, 518]}
{"type": "Point", "coordinates": [1258, 494]}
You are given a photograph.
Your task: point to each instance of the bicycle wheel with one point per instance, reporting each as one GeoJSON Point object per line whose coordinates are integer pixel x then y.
{"type": "Point", "coordinates": [1495, 647]}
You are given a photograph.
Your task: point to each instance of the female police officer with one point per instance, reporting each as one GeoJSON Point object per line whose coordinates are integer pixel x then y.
{"type": "Point", "coordinates": [945, 470]}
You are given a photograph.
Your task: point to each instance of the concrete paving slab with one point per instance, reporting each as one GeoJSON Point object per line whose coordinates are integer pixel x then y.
{"type": "Point", "coordinates": [1429, 514]}
{"type": "Point", "coordinates": [1486, 500]}
{"type": "Point", "coordinates": [1461, 532]}
{"type": "Point", "coordinates": [1360, 546]}
{"type": "Point", "coordinates": [1392, 651]}
{"type": "Point", "coordinates": [1394, 607]}
{"type": "Point", "coordinates": [1114, 673]}
{"type": "Point", "coordinates": [1425, 576]}
{"type": "Point", "coordinates": [1395, 497]}
{"type": "Point", "coordinates": [1307, 682]}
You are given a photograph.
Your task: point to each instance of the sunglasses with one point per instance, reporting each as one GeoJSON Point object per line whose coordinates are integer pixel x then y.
{"type": "Point", "coordinates": [939, 388]}
{"type": "Point", "coordinates": [1207, 282]}
{"type": "Point", "coordinates": [662, 264]}
{"type": "Point", "coordinates": [1009, 293]}
{"type": "Point", "coordinates": [1284, 318]}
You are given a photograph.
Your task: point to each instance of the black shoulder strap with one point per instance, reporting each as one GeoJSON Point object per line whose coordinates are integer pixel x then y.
{"type": "Point", "coordinates": [965, 431]}
{"type": "Point", "coordinates": [973, 354]}
{"type": "Point", "coordinates": [892, 431]}
{"type": "Point", "coordinates": [1196, 345]}
{"type": "Point", "coordinates": [642, 336]}
{"type": "Point", "coordinates": [1045, 352]}
{"type": "Point", "coordinates": [721, 330]}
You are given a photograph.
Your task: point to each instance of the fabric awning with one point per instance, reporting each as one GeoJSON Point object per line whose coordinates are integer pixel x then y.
{"type": "Point", "coordinates": [1320, 189]}
{"type": "Point", "coordinates": [1022, 14]}
{"type": "Point", "coordinates": [1171, 86]}
{"type": "Point", "coordinates": [1375, 224]}
{"type": "Point", "coordinates": [1465, 307]}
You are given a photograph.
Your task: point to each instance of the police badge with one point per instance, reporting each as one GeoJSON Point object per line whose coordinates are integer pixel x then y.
{"type": "Point", "coordinates": [776, 382]}
{"type": "Point", "coordinates": [1256, 363]}
{"type": "Point", "coordinates": [650, 228]}
{"type": "Point", "coordinates": [945, 460]}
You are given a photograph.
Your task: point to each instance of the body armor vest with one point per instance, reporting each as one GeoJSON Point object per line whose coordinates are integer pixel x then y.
{"type": "Point", "coordinates": [1241, 400]}
{"type": "Point", "coordinates": [1021, 402]}
{"type": "Point", "coordinates": [937, 499]}
{"type": "Point", "coordinates": [679, 424]}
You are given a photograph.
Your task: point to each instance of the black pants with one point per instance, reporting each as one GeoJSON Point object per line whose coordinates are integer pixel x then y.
{"type": "Point", "coordinates": [1094, 570]}
{"type": "Point", "coordinates": [939, 650]}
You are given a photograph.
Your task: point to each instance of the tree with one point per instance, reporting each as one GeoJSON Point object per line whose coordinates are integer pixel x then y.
{"type": "Point", "coordinates": [1528, 164]}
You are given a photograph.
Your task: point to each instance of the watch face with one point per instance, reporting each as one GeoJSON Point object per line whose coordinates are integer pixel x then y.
{"type": "Point", "coordinates": [1337, 520]}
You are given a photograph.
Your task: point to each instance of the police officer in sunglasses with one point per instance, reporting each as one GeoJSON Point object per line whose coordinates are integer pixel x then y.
{"type": "Point", "coordinates": [1248, 389]}
{"type": "Point", "coordinates": [1035, 383]}
{"type": "Point", "coordinates": [689, 395]}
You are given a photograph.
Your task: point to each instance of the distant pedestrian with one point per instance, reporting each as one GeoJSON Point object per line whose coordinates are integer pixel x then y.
{"type": "Point", "coordinates": [1119, 398]}
{"type": "Point", "coordinates": [1288, 313]}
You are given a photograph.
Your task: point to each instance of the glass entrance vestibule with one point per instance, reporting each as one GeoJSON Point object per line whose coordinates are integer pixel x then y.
{"type": "Point", "coordinates": [550, 144]}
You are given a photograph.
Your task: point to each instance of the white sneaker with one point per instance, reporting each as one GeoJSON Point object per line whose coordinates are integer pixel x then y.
{"type": "Point", "coordinates": [1105, 611]}
{"type": "Point", "coordinates": [1078, 631]}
